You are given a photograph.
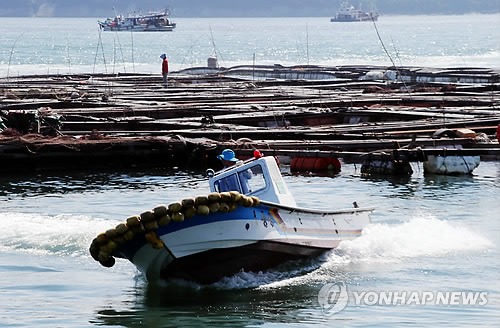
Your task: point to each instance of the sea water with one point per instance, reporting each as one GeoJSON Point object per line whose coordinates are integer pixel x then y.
{"type": "Point", "coordinates": [429, 233]}
{"type": "Point", "coordinates": [76, 45]}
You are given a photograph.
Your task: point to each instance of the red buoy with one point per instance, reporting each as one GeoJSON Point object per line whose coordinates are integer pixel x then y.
{"type": "Point", "coordinates": [498, 133]}
{"type": "Point", "coordinates": [315, 164]}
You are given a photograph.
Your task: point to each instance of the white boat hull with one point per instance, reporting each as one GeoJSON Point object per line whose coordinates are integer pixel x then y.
{"type": "Point", "coordinates": [207, 248]}
{"type": "Point", "coordinates": [250, 221]}
{"type": "Point", "coordinates": [140, 28]}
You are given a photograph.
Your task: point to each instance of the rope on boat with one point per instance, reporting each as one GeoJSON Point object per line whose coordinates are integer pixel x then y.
{"type": "Point", "coordinates": [146, 224]}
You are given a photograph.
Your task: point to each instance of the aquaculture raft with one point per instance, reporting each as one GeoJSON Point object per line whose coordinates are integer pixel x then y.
{"type": "Point", "coordinates": [298, 108]}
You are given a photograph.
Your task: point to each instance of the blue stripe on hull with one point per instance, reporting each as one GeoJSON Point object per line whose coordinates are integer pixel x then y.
{"type": "Point", "coordinates": [241, 213]}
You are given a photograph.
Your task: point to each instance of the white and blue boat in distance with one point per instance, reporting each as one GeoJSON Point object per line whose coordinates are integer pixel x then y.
{"type": "Point", "coordinates": [152, 22]}
{"type": "Point", "coordinates": [242, 237]}
{"type": "Point", "coordinates": [347, 13]}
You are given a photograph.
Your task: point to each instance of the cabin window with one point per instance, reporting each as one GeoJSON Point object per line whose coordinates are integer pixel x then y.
{"type": "Point", "coordinates": [278, 180]}
{"type": "Point", "coordinates": [229, 183]}
{"type": "Point", "coordinates": [252, 180]}
{"type": "Point", "coordinates": [246, 181]}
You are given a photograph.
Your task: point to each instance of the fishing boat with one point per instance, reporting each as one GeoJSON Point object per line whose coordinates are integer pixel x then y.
{"type": "Point", "coordinates": [347, 13]}
{"type": "Point", "coordinates": [152, 22]}
{"type": "Point", "coordinates": [248, 222]}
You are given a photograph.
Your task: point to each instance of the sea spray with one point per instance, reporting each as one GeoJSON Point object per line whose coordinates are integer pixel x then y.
{"type": "Point", "coordinates": [41, 234]}
{"type": "Point", "coordinates": [418, 237]}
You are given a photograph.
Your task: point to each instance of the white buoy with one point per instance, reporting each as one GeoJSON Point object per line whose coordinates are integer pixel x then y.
{"type": "Point", "coordinates": [449, 165]}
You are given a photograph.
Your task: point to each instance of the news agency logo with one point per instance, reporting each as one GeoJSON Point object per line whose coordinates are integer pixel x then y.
{"type": "Point", "coordinates": [333, 298]}
{"type": "Point", "coordinates": [421, 298]}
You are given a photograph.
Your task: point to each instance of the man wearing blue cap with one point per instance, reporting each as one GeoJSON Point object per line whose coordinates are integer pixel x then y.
{"type": "Point", "coordinates": [164, 69]}
{"type": "Point", "coordinates": [228, 158]}
{"type": "Point", "coordinates": [230, 183]}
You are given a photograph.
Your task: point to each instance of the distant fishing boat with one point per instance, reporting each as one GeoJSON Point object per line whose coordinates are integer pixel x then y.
{"type": "Point", "coordinates": [152, 22]}
{"type": "Point", "coordinates": [347, 13]}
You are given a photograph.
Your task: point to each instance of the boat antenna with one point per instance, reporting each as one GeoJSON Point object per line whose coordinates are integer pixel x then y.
{"type": "Point", "coordinates": [114, 56]}
{"type": "Point", "coordinates": [190, 48]}
{"type": "Point", "coordinates": [103, 56]}
{"type": "Point", "coordinates": [388, 55]}
{"type": "Point", "coordinates": [132, 38]}
{"type": "Point", "coordinates": [382, 42]}
{"type": "Point", "coordinates": [96, 52]}
{"type": "Point", "coordinates": [307, 43]}
{"type": "Point", "coordinates": [99, 43]}
{"type": "Point", "coordinates": [213, 41]}
{"type": "Point", "coordinates": [69, 59]}
{"type": "Point", "coordinates": [253, 68]}
{"type": "Point", "coordinates": [121, 50]}
{"type": "Point", "coordinates": [216, 51]}
{"type": "Point", "coordinates": [119, 43]}
{"type": "Point", "coordinates": [11, 52]}
{"type": "Point", "coordinates": [397, 52]}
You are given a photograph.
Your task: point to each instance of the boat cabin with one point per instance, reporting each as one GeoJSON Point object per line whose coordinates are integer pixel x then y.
{"type": "Point", "coordinates": [259, 177]}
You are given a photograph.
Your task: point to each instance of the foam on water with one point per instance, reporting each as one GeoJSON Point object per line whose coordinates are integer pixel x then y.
{"type": "Point", "coordinates": [40, 234]}
{"type": "Point", "coordinates": [420, 237]}
{"type": "Point", "coordinates": [257, 279]}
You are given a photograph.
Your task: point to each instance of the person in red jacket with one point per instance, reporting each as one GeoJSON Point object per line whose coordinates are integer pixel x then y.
{"type": "Point", "coordinates": [164, 69]}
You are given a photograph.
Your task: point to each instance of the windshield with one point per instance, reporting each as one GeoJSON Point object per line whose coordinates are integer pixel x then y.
{"type": "Point", "coordinates": [245, 181]}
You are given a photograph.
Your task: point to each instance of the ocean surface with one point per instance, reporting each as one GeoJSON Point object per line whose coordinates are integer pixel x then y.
{"type": "Point", "coordinates": [429, 233]}
{"type": "Point", "coordinates": [75, 45]}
